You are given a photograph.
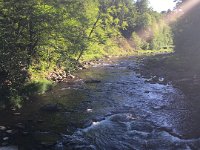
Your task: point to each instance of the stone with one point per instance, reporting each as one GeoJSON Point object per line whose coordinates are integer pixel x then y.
{"type": "Point", "coordinates": [2, 128]}
{"type": "Point", "coordinates": [85, 66]}
{"type": "Point", "coordinates": [20, 126]}
{"type": "Point", "coordinates": [5, 138]}
{"type": "Point", "coordinates": [158, 107]}
{"type": "Point", "coordinates": [89, 110]}
{"type": "Point", "coordinates": [160, 79]}
{"type": "Point", "coordinates": [71, 76]}
{"type": "Point", "coordinates": [16, 114]}
{"type": "Point", "coordinates": [25, 133]}
{"type": "Point", "coordinates": [92, 81]}
{"type": "Point", "coordinates": [9, 131]}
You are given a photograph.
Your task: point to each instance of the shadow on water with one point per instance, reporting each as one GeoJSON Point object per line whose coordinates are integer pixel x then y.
{"type": "Point", "coordinates": [115, 109]}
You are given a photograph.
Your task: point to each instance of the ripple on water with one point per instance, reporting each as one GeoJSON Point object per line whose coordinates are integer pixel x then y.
{"type": "Point", "coordinates": [123, 131]}
{"type": "Point", "coordinates": [134, 114]}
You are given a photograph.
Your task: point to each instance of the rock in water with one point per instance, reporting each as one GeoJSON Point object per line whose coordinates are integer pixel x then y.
{"type": "Point", "coordinates": [2, 128]}
{"type": "Point", "coordinates": [92, 81]}
{"type": "Point", "coordinates": [5, 138]}
{"type": "Point", "coordinates": [51, 108]}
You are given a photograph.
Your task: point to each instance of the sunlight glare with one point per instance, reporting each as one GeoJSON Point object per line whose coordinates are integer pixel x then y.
{"type": "Point", "coordinates": [170, 18]}
{"type": "Point", "coordinates": [162, 5]}
{"type": "Point", "coordinates": [180, 11]}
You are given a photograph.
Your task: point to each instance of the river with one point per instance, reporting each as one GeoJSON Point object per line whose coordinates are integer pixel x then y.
{"type": "Point", "coordinates": [110, 107]}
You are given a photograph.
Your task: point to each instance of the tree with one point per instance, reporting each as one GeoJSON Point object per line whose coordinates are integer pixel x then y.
{"type": "Point", "coordinates": [39, 36]}
{"type": "Point", "coordinates": [25, 26]}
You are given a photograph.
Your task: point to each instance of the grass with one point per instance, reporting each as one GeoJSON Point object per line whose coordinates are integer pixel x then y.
{"type": "Point", "coordinates": [38, 87]}
{"type": "Point", "coordinates": [90, 57]}
{"type": "Point", "coordinates": [118, 47]}
{"type": "Point", "coordinates": [153, 52]}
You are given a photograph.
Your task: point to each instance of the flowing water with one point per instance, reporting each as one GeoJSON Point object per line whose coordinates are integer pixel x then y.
{"type": "Point", "coordinates": [115, 109]}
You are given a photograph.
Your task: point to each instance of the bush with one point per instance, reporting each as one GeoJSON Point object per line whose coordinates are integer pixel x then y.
{"type": "Point", "coordinates": [137, 41]}
{"type": "Point", "coordinates": [35, 87]}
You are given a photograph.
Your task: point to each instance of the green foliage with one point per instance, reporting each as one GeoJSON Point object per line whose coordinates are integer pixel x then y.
{"type": "Point", "coordinates": [137, 41]}
{"type": "Point", "coordinates": [15, 101]}
{"type": "Point", "coordinates": [34, 87]}
{"type": "Point", "coordinates": [162, 36]}
{"type": "Point", "coordinates": [37, 36]}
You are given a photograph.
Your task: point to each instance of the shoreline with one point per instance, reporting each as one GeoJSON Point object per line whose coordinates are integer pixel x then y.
{"type": "Point", "coordinates": [174, 70]}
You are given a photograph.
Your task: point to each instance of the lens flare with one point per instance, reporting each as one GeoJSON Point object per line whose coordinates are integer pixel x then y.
{"type": "Point", "coordinates": [180, 11]}
{"type": "Point", "coordinates": [171, 17]}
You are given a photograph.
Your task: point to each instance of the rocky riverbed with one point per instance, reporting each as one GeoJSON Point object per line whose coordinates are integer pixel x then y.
{"type": "Point", "coordinates": [108, 106]}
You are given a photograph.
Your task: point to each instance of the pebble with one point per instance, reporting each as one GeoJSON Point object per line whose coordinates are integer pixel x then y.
{"type": "Point", "coordinates": [161, 79]}
{"type": "Point", "coordinates": [25, 133]}
{"type": "Point", "coordinates": [5, 138]}
{"type": "Point", "coordinates": [13, 109]}
{"type": "Point", "coordinates": [16, 114]}
{"type": "Point", "coordinates": [2, 128]}
{"type": "Point", "coordinates": [9, 131]}
{"type": "Point", "coordinates": [71, 76]}
{"type": "Point", "coordinates": [89, 110]}
{"type": "Point", "coordinates": [20, 126]}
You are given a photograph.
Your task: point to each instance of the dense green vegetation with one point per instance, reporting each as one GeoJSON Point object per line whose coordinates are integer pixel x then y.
{"type": "Point", "coordinates": [39, 36]}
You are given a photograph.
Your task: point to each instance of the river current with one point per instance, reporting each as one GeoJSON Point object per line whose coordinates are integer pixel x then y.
{"type": "Point", "coordinates": [113, 107]}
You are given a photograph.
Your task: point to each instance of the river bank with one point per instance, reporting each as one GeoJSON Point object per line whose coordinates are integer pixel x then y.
{"type": "Point", "coordinates": [107, 101]}
{"type": "Point", "coordinates": [182, 72]}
